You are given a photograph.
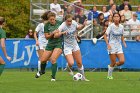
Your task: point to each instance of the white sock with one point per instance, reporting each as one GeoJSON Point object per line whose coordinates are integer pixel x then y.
{"type": "Point", "coordinates": [81, 70]}
{"type": "Point", "coordinates": [110, 70]}
{"type": "Point", "coordinates": [39, 66]}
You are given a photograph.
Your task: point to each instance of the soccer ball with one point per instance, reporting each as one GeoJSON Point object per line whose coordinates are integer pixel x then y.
{"type": "Point", "coordinates": [77, 77]}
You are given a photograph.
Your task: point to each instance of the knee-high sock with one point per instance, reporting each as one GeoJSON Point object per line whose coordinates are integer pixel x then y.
{"type": "Point", "coordinates": [54, 69]}
{"type": "Point", "coordinates": [1, 68]}
{"type": "Point", "coordinates": [110, 70]}
{"type": "Point", "coordinates": [43, 67]}
{"type": "Point", "coordinates": [81, 70]}
{"type": "Point", "coordinates": [39, 66]}
{"type": "Point", "coordinates": [68, 68]}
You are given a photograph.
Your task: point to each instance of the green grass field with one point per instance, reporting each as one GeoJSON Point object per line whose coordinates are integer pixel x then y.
{"type": "Point", "coordinates": [24, 82]}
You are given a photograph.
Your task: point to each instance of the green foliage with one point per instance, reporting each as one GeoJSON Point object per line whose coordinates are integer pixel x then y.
{"type": "Point", "coordinates": [16, 13]}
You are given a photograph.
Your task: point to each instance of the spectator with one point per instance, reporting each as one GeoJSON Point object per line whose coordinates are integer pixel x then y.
{"type": "Point", "coordinates": [110, 19]}
{"type": "Point", "coordinates": [134, 21]}
{"type": "Point", "coordinates": [81, 18]}
{"type": "Point", "coordinates": [125, 2]}
{"type": "Point", "coordinates": [69, 11]}
{"type": "Point", "coordinates": [134, 24]}
{"type": "Point", "coordinates": [78, 6]}
{"type": "Point", "coordinates": [106, 23]}
{"type": "Point", "coordinates": [123, 20]}
{"type": "Point", "coordinates": [64, 7]}
{"type": "Point", "coordinates": [126, 12]}
{"type": "Point", "coordinates": [111, 2]}
{"type": "Point", "coordinates": [138, 13]}
{"type": "Point", "coordinates": [93, 14]}
{"type": "Point", "coordinates": [105, 12]}
{"type": "Point", "coordinates": [113, 9]}
{"type": "Point", "coordinates": [97, 29]}
{"type": "Point", "coordinates": [55, 7]}
{"type": "Point", "coordinates": [29, 34]}
{"type": "Point", "coordinates": [101, 19]}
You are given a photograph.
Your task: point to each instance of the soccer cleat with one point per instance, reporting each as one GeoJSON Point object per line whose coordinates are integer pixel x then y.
{"type": "Point", "coordinates": [52, 79]}
{"type": "Point", "coordinates": [38, 74]}
{"type": "Point", "coordinates": [86, 79]}
{"type": "Point", "coordinates": [109, 77]}
{"type": "Point", "coordinates": [71, 73]}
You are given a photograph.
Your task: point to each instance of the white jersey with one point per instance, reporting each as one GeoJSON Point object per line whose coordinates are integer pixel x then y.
{"type": "Point", "coordinates": [69, 39]}
{"type": "Point", "coordinates": [114, 37]}
{"type": "Point", "coordinates": [115, 33]}
{"type": "Point", "coordinates": [40, 30]}
{"type": "Point", "coordinates": [70, 43]}
{"type": "Point", "coordinates": [55, 8]}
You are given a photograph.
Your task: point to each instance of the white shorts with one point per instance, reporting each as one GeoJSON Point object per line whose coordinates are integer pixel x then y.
{"type": "Point", "coordinates": [69, 49]}
{"type": "Point", "coordinates": [115, 49]}
{"type": "Point", "coordinates": [41, 46]}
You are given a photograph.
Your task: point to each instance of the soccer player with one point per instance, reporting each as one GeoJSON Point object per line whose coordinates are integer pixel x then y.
{"type": "Point", "coordinates": [71, 48]}
{"type": "Point", "coordinates": [41, 42]}
{"type": "Point", "coordinates": [115, 36]}
{"type": "Point", "coordinates": [2, 41]}
{"type": "Point", "coordinates": [54, 46]}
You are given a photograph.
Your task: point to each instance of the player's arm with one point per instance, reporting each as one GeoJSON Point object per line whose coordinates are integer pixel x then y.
{"type": "Point", "coordinates": [59, 33]}
{"type": "Point", "coordinates": [4, 49]}
{"type": "Point", "coordinates": [49, 35]}
{"type": "Point", "coordinates": [35, 37]}
{"type": "Point", "coordinates": [123, 41]}
{"type": "Point", "coordinates": [105, 37]}
{"type": "Point", "coordinates": [106, 40]}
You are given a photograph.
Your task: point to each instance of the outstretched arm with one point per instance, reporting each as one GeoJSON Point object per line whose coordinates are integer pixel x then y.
{"type": "Point", "coordinates": [4, 49]}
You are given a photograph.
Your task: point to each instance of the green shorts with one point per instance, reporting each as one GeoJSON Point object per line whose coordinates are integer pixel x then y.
{"type": "Point", "coordinates": [52, 47]}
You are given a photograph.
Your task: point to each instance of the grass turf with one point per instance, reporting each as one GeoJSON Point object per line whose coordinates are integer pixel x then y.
{"type": "Point", "coordinates": [24, 82]}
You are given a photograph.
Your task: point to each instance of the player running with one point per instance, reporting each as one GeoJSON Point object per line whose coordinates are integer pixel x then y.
{"type": "Point", "coordinates": [54, 46]}
{"type": "Point", "coordinates": [41, 43]}
{"type": "Point", "coordinates": [2, 41]}
{"type": "Point", "coordinates": [71, 47]}
{"type": "Point", "coordinates": [115, 36]}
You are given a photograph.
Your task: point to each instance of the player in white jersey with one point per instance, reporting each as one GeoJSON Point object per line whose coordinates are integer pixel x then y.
{"type": "Point", "coordinates": [41, 43]}
{"type": "Point", "coordinates": [115, 36]}
{"type": "Point", "coordinates": [71, 47]}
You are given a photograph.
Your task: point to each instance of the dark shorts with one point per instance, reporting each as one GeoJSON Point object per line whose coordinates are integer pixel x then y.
{"type": "Point", "coordinates": [52, 47]}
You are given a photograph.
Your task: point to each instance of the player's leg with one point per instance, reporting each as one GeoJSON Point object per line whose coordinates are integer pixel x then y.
{"type": "Point", "coordinates": [70, 61]}
{"type": "Point", "coordinates": [43, 66]}
{"type": "Point", "coordinates": [2, 65]}
{"type": "Point", "coordinates": [44, 58]}
{"type": "Point", "coordinates": [111, 66]}
{"type": "Point", "coordinates": [69, 58]}
{"type": "Point", "coordinates": [121, 59]}
{"type": "Point", "coordinates": [56, 53]}
{"type": "Point", "coordinates": [78, 58]}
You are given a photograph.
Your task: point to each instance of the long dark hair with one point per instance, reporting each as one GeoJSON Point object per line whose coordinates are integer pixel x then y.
{"type": "Point", "coordinates": [30, 36]}
{"type": "Point", "coordinates": [119, 16]}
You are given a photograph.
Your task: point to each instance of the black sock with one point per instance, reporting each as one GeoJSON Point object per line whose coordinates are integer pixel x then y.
{"type": "Point", "coordinates": [43, 67]}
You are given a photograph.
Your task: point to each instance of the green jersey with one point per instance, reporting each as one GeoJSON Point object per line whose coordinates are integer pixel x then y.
{"type": "Point", "coordinates": [2, 33]}
{"type": "Point", "coordinates": [49, 28]}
